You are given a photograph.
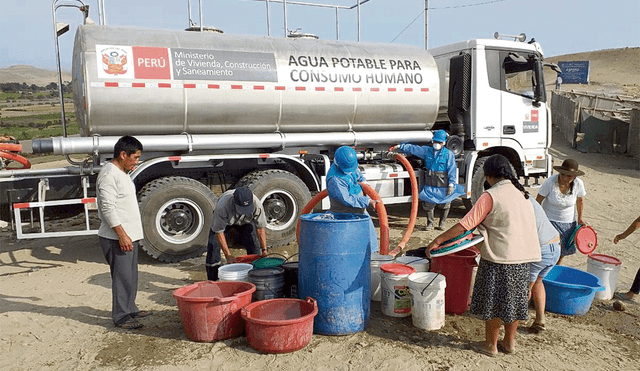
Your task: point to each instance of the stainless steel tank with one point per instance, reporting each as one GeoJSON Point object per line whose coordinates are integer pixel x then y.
{"type": "Point", "coordinates": [158, 82]}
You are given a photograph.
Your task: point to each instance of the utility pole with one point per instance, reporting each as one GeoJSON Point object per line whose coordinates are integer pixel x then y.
{"type": "Point", "coordinates": [426, 27]}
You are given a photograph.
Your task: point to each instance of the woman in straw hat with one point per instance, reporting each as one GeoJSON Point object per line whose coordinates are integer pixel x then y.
{"type": "Point", "coordinates": [561, 196]}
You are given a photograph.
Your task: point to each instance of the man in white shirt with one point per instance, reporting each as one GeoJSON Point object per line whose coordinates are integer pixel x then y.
{"type": "Point", "coordinates": [121, 229]}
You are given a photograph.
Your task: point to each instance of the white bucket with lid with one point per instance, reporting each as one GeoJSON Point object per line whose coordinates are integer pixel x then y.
{"type": "Point", "coordinates": [427, 300]}
{"type": "Point", "coordinates": [234, 272]}
{"type": "Point", "coordinates": [606, 268]}
{"type": "Point", "coordinates": [420, 264]}
{"type": "Point", "coordinates": [396, 301]}
{"type": "Point", "coordinates": [376, 261]}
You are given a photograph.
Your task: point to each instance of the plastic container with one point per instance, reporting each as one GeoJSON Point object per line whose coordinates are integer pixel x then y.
{"type": "Point", "coordinates": [267, 262]}
{"type": "Point", "coordinates": [234, 272]}
{"type": "Point", "coordinates": [420, 264]}
{"type": "Point", "coordinates": [334, 268]}
{"type": "Point", "coordinates": [269, 283]}
{"type": "Point", "coordinates": [280, 325]}
{"type": "Point", "coordinates": [427, 300]}
{"type": "Point", "coordinates": [210, 310]}
{"type": "Point", "coordinates": [585, 239]}
{"type": "Point", "coordinates": [570, 291]}
{"type": "Point", "coordinates": [606, 268]}
{"type": "Point", "coordinates": [396, 301]}
{"type": "Point", "coordinates": [376, 261]}
{"type": "Point", "coordinates": [290, 279]}
{"type": "Point", "coordinates": [419, 252]}
{"type": "Point", "coordinates": [459, 270]}
{"type": "Point", "coordinates": [247, 258]}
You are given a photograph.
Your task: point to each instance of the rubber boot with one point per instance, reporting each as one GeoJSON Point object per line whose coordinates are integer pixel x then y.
{"type": "Point", "coordinates": [443, 218]}
{"type": "Point", "coordinates": [429, 220]}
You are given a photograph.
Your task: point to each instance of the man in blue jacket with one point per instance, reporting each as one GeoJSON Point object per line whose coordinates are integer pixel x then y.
{"type": "Point", "coordinates": [441, 185]}
{"type": "Point", "coordinates": [345, 194]}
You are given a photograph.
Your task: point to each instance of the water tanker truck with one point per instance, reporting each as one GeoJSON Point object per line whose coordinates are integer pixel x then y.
{"type": "Point", "coordinates": [216, 111]}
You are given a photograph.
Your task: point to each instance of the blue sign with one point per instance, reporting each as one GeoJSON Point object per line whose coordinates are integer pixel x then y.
{"type": "Point", "coordinates": [574, 72]}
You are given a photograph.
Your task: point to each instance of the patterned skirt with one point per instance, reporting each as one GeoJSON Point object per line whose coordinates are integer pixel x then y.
{"type": "Point", "coordinates": [501, 291]}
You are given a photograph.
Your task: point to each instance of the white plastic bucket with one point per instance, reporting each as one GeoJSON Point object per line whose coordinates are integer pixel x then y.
{"type": "Point", "coordinates": [395, 300]}
{"type": "Point", "coordinates": [427, 300]}
{"type": "Point", "coordinates": [606, 268]}
{"type": "Point", "coordinates": [420, 264]}
{"type": "Point", "coordinates": [234, 272]}
{"type": "Point", "coordinates": [376, 261]}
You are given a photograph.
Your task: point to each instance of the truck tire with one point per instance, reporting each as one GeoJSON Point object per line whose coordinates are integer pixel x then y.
{"type": "Point", "coordinates": [283, 196]}
{"type": "Point", "coordinates": [477, 181]}
{"type": "Point", "coordinates": [176, 214]}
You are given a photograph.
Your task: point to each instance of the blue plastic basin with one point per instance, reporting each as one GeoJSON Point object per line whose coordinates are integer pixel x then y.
{"type": "Point", "coordinates": [570, 291]}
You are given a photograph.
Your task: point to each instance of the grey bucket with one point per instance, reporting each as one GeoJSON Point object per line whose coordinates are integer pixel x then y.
{"type": "Point", "coordinates": [269, 283]}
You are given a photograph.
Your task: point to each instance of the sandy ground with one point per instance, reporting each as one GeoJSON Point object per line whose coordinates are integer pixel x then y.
{"type": "Point", "coordinates": [55, 302]}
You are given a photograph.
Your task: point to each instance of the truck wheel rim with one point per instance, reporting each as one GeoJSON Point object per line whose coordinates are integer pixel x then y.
{"type": "Point", "coordinates": [280, 208]}
{"type": "Point", "coordinates": [178, 221]}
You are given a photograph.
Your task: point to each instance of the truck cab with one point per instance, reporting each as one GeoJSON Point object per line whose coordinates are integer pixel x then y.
{"type": "Point", "coordinates": [493, 100]}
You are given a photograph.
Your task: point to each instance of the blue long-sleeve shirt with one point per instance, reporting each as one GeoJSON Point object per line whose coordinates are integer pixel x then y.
{"type": "Point", "coordinates": [339, 187]}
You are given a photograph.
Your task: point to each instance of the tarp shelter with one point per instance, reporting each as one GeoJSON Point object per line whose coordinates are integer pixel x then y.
{"type": "Point", "coordinates": [602, 134]}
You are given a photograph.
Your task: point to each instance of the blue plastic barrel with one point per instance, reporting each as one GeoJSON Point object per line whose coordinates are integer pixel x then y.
{"type": "Point", "coordinates": [335, 269]}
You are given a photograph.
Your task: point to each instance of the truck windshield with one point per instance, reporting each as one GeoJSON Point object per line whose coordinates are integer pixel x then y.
{"type": "Point", "coordinates": [519, 75]}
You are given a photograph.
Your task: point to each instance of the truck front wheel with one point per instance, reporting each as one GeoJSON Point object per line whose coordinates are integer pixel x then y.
{"type": "Point", "coordinates": [478, 181]}
{"type": "Point", "coordinates": [283, 196]}
{"type": "Point", "coordinates": [176, 214]}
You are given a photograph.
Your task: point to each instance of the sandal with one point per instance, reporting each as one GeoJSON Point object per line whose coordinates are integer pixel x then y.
{"type": "Point", "coordinates": [479, 348]}
{"type": "Point", "coordinates": [504, 350]}
{"type": "Point", "coordinates": [142, 314]}
{"type": "Point", "coordinates": [130, 324]}
{"type": "Point", "coordinates": [623, 296]}
{"type": "Point", "coordinates": [536, 328]}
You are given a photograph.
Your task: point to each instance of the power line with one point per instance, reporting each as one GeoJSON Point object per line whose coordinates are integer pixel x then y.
{"type": "Point", "coordinates": [445, 7]}
{"type": "Point", "coordinates": [468, 5]}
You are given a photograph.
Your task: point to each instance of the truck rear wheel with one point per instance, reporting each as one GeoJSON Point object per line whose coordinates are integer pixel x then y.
{"type": "Point", "coordinates": [283, 196]}
{"type": "Point", "coordinates": [176, 214]}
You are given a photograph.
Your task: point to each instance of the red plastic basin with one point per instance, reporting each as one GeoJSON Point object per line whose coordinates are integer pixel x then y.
{"type": "Point", "coordinates": [280, 325]}
{"type": "Point", "coordinates": [210, 310]}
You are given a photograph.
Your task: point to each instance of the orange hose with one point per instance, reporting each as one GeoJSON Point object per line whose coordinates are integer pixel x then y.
{"type": "Point", "coordinates": [382, 218]}
{"type": "Point", "coordinates": [11, 147]}
{"type": "Point", "coordinates": [15, 157]}
{"type": "Point", "coordinates": [308, 207]}
{"type": "Point", "coordinates": [414, 205]}
{"type": "Point", "coordinates": [380, 209]}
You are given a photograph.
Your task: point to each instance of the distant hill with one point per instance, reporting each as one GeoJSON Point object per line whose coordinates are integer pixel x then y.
{"type": "Point", "coordinates": [31, 75]}
{"type": "Point", "coordinates": [614, 71]}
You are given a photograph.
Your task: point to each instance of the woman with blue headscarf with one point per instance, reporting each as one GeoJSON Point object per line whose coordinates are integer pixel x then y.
{"type": "Point", "coordinates": [345, 194]}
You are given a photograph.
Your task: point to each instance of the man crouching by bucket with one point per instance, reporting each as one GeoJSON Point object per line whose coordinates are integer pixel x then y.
{"type": "Point", "coordinates": [345, 194]}
{"type": "Point", "coordinates": [236, 209]}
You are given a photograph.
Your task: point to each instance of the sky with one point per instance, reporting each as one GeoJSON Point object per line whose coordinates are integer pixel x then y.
{"type": "Point", "coordinates": [560, 26]}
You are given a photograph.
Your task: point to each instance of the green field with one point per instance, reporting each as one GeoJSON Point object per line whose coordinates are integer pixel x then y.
{"type": "Point", "coordinates": [37, 126]}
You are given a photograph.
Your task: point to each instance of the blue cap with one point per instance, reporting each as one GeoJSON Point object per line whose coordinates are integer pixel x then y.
{"type": "Point", "coordinates": [440, 136]}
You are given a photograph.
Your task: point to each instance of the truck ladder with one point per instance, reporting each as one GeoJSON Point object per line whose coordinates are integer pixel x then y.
{"type": "Point", "coordinates": [42, 203]}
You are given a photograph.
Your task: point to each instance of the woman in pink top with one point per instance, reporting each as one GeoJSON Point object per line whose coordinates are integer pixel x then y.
{"type": "Point", "coordinates": [505, 218]}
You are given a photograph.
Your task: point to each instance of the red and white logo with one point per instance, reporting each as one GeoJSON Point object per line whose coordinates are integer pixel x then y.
{"type": "Point", "coordinates": [114, 61]}
{"type": "Point", "coordinates": [151, 62]}
{"type": "Point", "coordinates": [534, 115]}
